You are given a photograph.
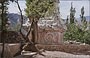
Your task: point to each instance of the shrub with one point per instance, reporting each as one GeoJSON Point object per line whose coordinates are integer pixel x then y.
{"type": "Point", "coordinates": [74, 32]}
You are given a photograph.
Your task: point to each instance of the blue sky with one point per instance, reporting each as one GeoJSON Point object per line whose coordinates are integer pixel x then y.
{"type": "Point", "coordinates": [64, 7]}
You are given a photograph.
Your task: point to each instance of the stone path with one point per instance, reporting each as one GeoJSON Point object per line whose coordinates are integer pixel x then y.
{"type": "Point", "coordinates": [54, 54]}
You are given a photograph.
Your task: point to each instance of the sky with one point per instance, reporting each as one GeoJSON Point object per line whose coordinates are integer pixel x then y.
{"type": "Point", "coordinates": [12, 7]}
{"type": "Point", "coordinates": [64, 7]}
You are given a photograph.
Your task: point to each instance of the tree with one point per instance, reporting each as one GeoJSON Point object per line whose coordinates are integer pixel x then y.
{"type": "Point", "coordinates": [37, 9]}
{"type": "Point", "coordinates": [0, 18]}
{"type": "Point", "coordinates": [3, 8]}
{"type": "Point", "coordinates": [4, 24]}
{"type": "Point", "coordinates": [73, 32]}
{"type": "Point", "coordinates": [67, 20]}
{"type": "Point", "coordinates": [72, 14]}
{"type": "Point", "coordinates": [40, 11]}
{"type": "Point", "coordinates": [83, 19]}
{"type": "Point", "coordinates": [78, 33]}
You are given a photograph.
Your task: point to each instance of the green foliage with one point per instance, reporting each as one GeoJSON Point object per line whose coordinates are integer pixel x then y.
{"type": "Point", "coordinates": [16, 27]}
{"type": "Point", "coordinates": [3, 14]}
{"type": "Point", "coordinates": [83, 19]}
{"type": "Point", "coordinates": [71, 32]}
{"type": "Point", "coordinates": [39, 8]}
{"type": "Point", "coordinates": [75, 33]}
{"type": "Point", "coordinates": [0, 21]}
{"type": "Point", "coordinates": [72, 14]}
{"type": "Point", "coordinates": [5, 11]}
{"type": "Point", "coordinates": [78, 32]}
{"type": "Point", "coordinates": [87, 37]}
{"type": "Point", "coordinates": [0, 17]}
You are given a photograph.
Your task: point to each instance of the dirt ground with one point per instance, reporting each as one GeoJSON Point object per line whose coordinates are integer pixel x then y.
{"type": "Point", "coordinates": [69, 48]}
{"type": "Point", "coordinates": [54, 54]}
{"type": "Point", "coordinates": [54, 51]}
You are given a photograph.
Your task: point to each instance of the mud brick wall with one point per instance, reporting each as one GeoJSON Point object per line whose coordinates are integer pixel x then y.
{"type": "Point", "coordinates": [12, 37]}
{"type": "Point", "coordinates": [50, 37]}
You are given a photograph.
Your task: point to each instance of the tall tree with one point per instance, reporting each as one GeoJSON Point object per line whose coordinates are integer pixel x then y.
{"type": "Point", "coordinates": [3, 4]}
{"type": "Point", "coordinates": [83, 19]}
{"type": "Point", "coordinates": [67, 20]}
{"type": "Point", "coordinates": [37, 9]}
{"type": "Point", "coordinates": [72, 14]}
{"type": "Point", "coordinates": [0, 16]}
{"type": "Point", "coordinates": [76, 32]}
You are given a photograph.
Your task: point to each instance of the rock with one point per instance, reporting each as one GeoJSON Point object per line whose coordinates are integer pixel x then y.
{"type": "Point", "coordinates": [14, 48]}
{"type": "Point", "coordinates": [10, 50]}
{"type": "Point", "coordinates": [7, 53]}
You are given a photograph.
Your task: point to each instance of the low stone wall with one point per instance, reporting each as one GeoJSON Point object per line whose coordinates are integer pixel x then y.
{"type": "Point", "coordinates": [7, 53]}
{"type": "Point", "coordinates": [14, 48]}
{"type": "Point", "coordinates": [10, 50]}
{"type": "Point", "coordinates": [11, 37]}
{"type": "Point", "coordinates": [69, 48]}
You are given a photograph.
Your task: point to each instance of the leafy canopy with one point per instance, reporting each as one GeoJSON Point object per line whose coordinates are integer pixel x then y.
{"type": "Point", "coordinates": [39, 8]}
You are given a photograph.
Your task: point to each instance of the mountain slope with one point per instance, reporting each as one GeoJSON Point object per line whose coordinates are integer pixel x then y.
{"type": "Point", "coordinates": [15, 18]}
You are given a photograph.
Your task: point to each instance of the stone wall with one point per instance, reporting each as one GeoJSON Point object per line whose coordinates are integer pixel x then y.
{"type": "Point", "coordinates": [12, 37]}
{"type": "Point", "coordinates": [50, 37]}
{"type": "Point", "coordinates": [9, 50]}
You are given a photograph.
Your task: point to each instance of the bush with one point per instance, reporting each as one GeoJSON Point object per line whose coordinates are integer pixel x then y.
{"type": "Point", "coordinates": [74, 32]}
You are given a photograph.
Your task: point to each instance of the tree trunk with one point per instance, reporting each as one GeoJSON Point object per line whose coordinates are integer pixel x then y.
{"type": "Point", "coordinates": [2, 33]}
{"type": "Point", "coordinates": [34, 32]}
